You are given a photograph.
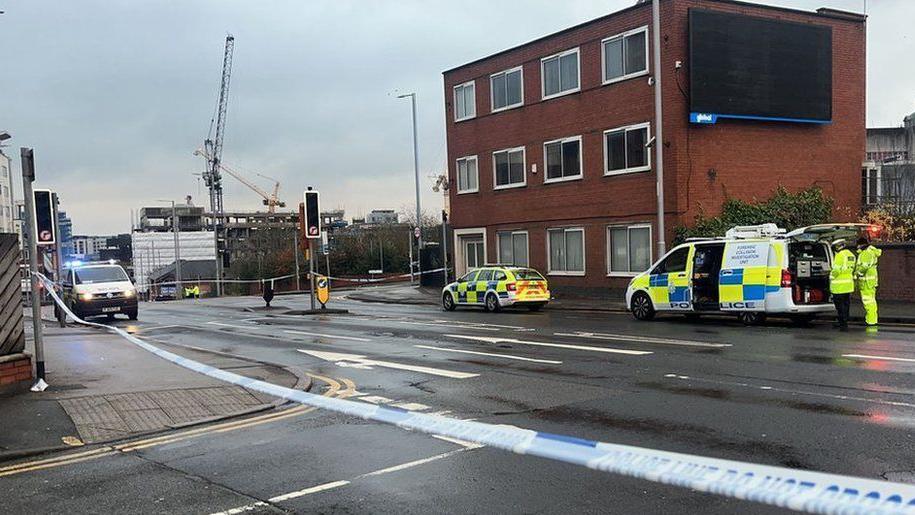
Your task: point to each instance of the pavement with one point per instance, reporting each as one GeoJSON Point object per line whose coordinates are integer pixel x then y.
{"type": "Point", "coordinates": [897, 312]}
{"type": "Point", "coordinates": [103, 388]}
{"type": "Point", "coordinates": [807, 398]}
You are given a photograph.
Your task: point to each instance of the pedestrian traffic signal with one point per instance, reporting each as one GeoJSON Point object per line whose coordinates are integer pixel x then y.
{"type": "Point", "coordinates": [44, 217]}
{"type": "Point", "coordinates": [312, 220]}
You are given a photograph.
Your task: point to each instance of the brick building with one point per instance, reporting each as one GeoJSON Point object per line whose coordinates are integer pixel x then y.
{"type": "Point", "coordinates": [566, 121]}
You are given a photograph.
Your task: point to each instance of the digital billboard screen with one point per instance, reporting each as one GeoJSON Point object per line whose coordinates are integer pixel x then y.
{"type": "Point", "coordinates": [758, 68]}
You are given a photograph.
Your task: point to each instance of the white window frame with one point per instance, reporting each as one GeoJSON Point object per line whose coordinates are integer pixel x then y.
{"type": "Point", "coordinates": [454, 99]}
{"type": "Point", "coordinates": [457, 174]}
{"type": "Point", "coordinates": [581, 160]}
{"type": "Point", "coordinates": [636, 169]}
{"type": "Point", "coordinates": [521, 184]}
{"type": "Point", "coordinates": [458, 247]}
{"type": "Point", "coordinates": [511, 233]}
{"type": "Point", "coordinates": [543, 95]}
{"type": "Point", "coordinates": [628, 226]}
{"type": "Point", "coordinates": [603, 57]}
{"type": "Point", "coordinates": [584, 252]}
{"type": "Point", "coordinates": [492, 96]}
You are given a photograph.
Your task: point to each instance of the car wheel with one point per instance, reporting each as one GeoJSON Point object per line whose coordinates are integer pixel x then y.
{"type": "Point", "coordinates": [492, 303]}
{"type": "Point", "coordinates": [751, 318]}
{"type": "Point", "coordinates": [641, 306]}
{"type": "Point", "coordinates": [132, 315]}
{"type": "Point", "coordinates": [448, 302]}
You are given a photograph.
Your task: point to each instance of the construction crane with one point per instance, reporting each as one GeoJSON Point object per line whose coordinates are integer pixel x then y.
{"type": "Point", "coordinates": [213, 144]}
{"type": "Point", "coordinates": [270, 199]}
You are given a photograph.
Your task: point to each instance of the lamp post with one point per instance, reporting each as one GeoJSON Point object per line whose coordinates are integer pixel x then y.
{"type": "Point", "coordinates": [178, 290]}
{"type": "Point", "coordinates": [419, 233]}
{"type": "Point", "coordinates": [659, 122]}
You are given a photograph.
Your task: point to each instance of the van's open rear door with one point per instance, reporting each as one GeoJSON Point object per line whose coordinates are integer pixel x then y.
{"type": "Point", "coordinates": [829, 233]}
{"type": "Point", "coordinates": [742, 280]}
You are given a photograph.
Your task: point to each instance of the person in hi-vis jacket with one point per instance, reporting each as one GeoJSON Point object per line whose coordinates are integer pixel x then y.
{"type": "Point", "coordinates": [866, 278]}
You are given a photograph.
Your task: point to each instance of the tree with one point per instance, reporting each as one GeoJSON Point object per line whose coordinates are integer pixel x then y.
{"type": "Point", "coordinates": [785, 209]}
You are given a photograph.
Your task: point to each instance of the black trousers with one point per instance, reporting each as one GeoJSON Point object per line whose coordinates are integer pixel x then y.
{"type": "Point", "coordinates": [842, 302]}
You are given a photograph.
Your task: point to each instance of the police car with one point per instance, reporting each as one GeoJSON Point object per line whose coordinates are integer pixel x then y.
{"type": "Point", "coordinates": [752, 272]}
{"type": "Point", "coordinates": [496, 286]}
{"type": "Point", "coordinates": [94, 289]}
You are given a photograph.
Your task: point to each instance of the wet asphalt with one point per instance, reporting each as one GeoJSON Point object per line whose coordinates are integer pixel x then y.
{"type": "Point", "coordinates": [807, 398]}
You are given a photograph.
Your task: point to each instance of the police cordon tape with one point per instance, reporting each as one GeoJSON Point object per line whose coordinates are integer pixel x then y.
{"type": "Point", "coordinates": [289, 276]}
{"type": "Point", "coordinates": [801, 490]}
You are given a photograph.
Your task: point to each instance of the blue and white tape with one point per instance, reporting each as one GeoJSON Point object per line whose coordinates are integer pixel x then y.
{"type": "Point", "coordinates": [801, 490]}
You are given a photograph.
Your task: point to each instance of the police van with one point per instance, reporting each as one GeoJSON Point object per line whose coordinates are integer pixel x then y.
{"type": "Point", "coordinates": [752, 272]}
{"type": "Point", "coordinates": [95, 289]}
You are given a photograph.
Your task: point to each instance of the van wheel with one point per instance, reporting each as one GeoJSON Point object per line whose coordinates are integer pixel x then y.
{"type": "Point", "coordinates": [448, 302]}
{"type": "Point", "coordinates": [751, 318]}
{"type": "Point", "coordinates": [641, 306]}
{"type": "Point", "coordinates": [492, 303]}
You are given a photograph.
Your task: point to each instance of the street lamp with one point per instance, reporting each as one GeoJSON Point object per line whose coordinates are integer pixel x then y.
{"type": "Point", "coordinates": [175, 229]}
{"type": "Point", "coordinates": [419, 235]}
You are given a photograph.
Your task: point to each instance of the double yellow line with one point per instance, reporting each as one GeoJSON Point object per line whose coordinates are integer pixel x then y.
{"type": "Point", "coordinates": [335, 389]}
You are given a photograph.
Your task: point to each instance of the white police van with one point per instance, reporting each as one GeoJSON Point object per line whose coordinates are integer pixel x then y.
{"type": "Point", "coordinates": [752, 272]}
{"type": "Point", "coordinates": [99, 289]}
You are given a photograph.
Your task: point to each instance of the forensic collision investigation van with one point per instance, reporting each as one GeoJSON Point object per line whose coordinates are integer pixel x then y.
{"type": "Point", "coordinates": [753, 271]}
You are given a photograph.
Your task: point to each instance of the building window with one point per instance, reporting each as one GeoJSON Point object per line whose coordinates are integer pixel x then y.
{"type": "Point", "coordinates": [509, 167]}
{"type": "Point", "coordinates": [464, 102]}
{"type": "Point", "coordinates": [513, 248]}
{"type": "Point", "coordinates": [628, 249]}
{"type": "Point", "coordinates": [506, 89]}
{"type": "Point", "coordinates": [566, 250]}
{"type": "Point", "coordinates": [625, 55]}
{"type": "Point", "coordinates": [559, 74]}
{"type": "Point", "coordinates": [870, 186]}
{"type": "Point", "coordinates": [563, 159]}
{"type": "Point", "coordinates": [5, 171]}
{"type": "Point", "coordinates": [467, 178]}
{"type": "Point", "coordinates": [624, 150]}
{"type": "Point", "coordinates": [474, 253]}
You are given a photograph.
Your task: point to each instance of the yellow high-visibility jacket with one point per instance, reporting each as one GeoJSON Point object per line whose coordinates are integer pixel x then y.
{"type": "Point", "coordinates": [866, 268]}
{"type": "Point", "coordinates": [841, 277]}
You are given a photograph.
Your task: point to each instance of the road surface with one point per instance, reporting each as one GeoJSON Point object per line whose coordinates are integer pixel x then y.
{"type": "Point", "coordinates": [808, 398]}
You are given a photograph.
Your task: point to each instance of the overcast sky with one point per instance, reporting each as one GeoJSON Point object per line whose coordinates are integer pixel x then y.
{"type": "Point", "coordinates": [115, 95]}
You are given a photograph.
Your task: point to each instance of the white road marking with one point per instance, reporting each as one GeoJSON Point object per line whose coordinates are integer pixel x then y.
{"type": "Point", "coordinates": [416, 463]}
{"type": "Point", "coordinates": [463, 443]}
{"type": "Point", "coordinates": [453, 326]}
{"type": "Point", "coordinates": [881, 358]}
{"type": "Point", "coordinates": [338, 356]}
{"type": "Point", "coordinates": [323, 335]}
{"type": "Point", "coordinates": [793, 392]}
{"type": "Point", "coordinates": [557, 345]}
{"type": "Point", "coordinates": [308, 491]}
{"type": "Point", "coordinates": [480, 324]}
{"type": "Point", "coordinates": [156, 327]}
{"type": "Point", "coordinates": [229, 325]}
{"type": "Point", "coordinates": [642, 339]}
{"type": "Point", "coordinates": [506, 356]}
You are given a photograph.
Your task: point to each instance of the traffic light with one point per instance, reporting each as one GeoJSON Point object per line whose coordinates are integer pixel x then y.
{"type": "Point", "coordinates": [44, 217]}
{"type": "Point", "coordinates": [312, 218]}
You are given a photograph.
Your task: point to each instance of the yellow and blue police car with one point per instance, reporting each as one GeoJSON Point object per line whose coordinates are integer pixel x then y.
{"type": "Point", "coordinates": [752, 272]}
{"type": "Point", "coordinates": [496, 286]}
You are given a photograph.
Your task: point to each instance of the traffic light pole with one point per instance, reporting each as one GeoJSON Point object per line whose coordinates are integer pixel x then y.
{"type": "Point", "coordinates": [311, 272]}
{"type": "Point", "coordinates": [28, 175]}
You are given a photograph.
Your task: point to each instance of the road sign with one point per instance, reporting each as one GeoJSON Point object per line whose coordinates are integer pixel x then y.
{"type": "Point", "coordinates": [312, 221]}
{"type": "Point", "coordinates": [322, 289]}
{"type": "Point", "coordinates": [44, 217]}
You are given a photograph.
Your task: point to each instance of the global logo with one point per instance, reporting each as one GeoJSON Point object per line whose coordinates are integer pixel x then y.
{"type": "Point", "coordinates": [703, 118]}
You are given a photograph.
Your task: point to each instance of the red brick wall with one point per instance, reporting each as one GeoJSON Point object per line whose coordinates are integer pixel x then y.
{"type": "Point", "coordinates": [897, 272]}
{"type": "Point", "coordinates": [18, 370]}
{"type": "Point", "coordinates": [747, 159]}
